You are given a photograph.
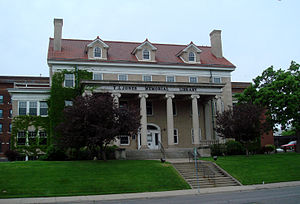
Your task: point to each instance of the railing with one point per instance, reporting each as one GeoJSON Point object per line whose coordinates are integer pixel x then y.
{"type": "Point", "coordinates": [207, 143]}
{"type": "Point", "coordinates": [31, 85]}
{"type": "Point", "coordinates": [162, 150]}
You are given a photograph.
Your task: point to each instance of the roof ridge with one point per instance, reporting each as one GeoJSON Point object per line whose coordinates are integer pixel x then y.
{"type": "Point", "coordinates": [117, 41]}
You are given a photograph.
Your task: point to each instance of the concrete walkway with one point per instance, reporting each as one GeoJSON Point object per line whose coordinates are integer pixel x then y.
{"type": "Point", "coordinates": [147, 194]}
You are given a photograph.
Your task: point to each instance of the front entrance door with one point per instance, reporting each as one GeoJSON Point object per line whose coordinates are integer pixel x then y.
{"type": "Point", "coordinates": [153, 139]}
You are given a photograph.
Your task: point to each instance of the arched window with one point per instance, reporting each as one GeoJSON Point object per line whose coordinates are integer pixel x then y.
{"type": "Point", "coordinates": [146, 54]}
{"type": "Point", "coordinates": [191, 57]}
{"type": "Point", "coordinates": [97, 52]}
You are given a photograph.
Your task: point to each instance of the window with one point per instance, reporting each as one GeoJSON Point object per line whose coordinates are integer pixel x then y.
{"type": "Point", "coordinates": [97, 76]}
{"type": "Point", "coordinates": [146, 54]}
{"type": "Point", "coordinates": [149, 108]}
{"type": "Point", "coordinates": [170, 79]}
{"type": "Point", "coordinates": [97, 52]}
{"type": "Point", "coordinates": [69, 80]}
{"type": "Point", "coordinates": [123, 77]}
{"type": "Point", "coordinates": [175, 136]}
{"type": "Point", "coordinates": [43, 138]}
{"type": "Point", "coordinates": [217, 80]}
{"type": "Point", "coordinates": [193, 79]}
{"type": "Point", "coordinates": [124, 140]}
{"type": "Point", "coordinates": [22, 108]}
{"type": "Point", "coordinates": [147, 78]}
{"type": "Point", "coordinates": [43, 108]}
{"type": "Point", "coordinates": [191, 57]}
{"type": "Point", "coordinates": [192, 133]}
{"type": "Point", "coordinates": [1, 113]}
{"type": "Point", "coordinates": [123, 104]}
{"type": "Point", "coordinates": [174, 108]}
{"type": "Point", "coordinates": [10, 113]}
{"type": "Point", "coordinates": [32, 108]}
{"type": "Point", "coordinates": [1, 127]}
{"type": "Point", "coordinates": [10, 127]}
{"type": "Point", "coordinates": [21, 138]}
{"type": "Point", "coordinates": [32, 137]}
{"type": "Point", "coordinates": [1, 98]}
{"type": "Point", "coordinates": [68, 103]}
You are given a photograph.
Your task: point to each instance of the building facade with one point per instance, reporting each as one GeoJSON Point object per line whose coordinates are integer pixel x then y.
{"type": "Point", "coordinates": [179, 88]}
{"type": "Point", "coordinates": [6, 103]}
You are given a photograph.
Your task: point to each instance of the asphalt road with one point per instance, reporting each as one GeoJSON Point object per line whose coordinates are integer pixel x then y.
{"type": "Point", "coordinates": [286, 195]}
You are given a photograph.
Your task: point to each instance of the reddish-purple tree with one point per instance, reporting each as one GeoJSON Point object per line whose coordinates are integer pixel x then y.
{"type": "Point", "coordinates": [242, 122]}
{"type": "Point", "coordinates": [95, 121]}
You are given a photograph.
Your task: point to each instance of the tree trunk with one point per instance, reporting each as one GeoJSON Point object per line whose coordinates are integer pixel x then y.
{"type": "Point", "coordinates": [102, 152]}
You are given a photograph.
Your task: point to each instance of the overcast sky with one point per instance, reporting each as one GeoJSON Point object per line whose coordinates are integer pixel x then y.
{"type": "Point", "coordinates": [255, 33]}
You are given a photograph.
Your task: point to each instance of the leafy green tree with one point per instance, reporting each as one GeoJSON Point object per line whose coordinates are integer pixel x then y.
{"type": "Point", "coordinates": [278, 92]}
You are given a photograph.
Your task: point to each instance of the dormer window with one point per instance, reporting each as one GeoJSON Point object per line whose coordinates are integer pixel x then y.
{"type": "Point", "coordinates": [191, 57]}
{"type": "Point", "coordinates": [146, 54]}
{"type": "Point", "coordinates": [97, 52]}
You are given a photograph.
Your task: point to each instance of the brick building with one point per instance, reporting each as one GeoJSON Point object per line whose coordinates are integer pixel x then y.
{"type": "Point", "coordinates": [7, 82]}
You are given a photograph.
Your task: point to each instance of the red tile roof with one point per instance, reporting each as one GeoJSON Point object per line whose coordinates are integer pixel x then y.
{"type": "Point", "coordinates": [75, 50]}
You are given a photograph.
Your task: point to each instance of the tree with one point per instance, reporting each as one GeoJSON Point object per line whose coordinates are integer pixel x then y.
{"type": "Point", "coordinates": [242, 122]}
{"type": "Point", "coordinates": [95, 121]}
{"type": "Point", "coordinates": [278, 92]}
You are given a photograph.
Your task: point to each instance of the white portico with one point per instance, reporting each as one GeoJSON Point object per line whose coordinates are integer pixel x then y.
{"type": "Point", "coordinates": [162, 128]}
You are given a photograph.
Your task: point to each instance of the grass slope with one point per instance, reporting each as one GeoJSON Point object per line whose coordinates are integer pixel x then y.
{"type": "Point", "coordinates": [42, 178]}
{"type": "Point", "coordinates": [258, 168]}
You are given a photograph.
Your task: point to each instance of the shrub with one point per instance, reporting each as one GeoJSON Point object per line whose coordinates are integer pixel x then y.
{"type": "Point", "coordinates": [217, 150]}
{"type": "Point", "coordinates": [110, 152]}
{"type": "Point", "coordinates": [234, 148]}
{"type": "Point", "coordinates": [268, 148]}
{"type": "Point", "coordinates": [54, 153]}
{"type": "Point", "coordinates": [11, 155]}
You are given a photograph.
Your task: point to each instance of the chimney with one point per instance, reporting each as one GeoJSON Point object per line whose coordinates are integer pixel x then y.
{"type": "Point", "coordinates": [216, 43]}
{"type": "Point", "coordinates": [58, 23]}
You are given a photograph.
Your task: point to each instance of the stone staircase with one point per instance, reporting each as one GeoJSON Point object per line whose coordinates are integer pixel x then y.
{"type": "Point", "coordinates": [209, 175]}
{"type": "Point", "coordinates": [157, 154]}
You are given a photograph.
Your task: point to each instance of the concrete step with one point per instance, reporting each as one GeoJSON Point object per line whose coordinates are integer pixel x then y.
{"type": "Point", "coordinates": [209, 175]}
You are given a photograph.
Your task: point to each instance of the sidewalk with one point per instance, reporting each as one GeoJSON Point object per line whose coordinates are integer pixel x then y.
{"type": "Point", "coordinates": [147, 194]}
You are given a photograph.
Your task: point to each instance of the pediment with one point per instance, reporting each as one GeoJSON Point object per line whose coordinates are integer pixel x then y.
{"type": "Point", "coordinates": [146, 43]}
{"type": "Point", "coordinates": [98, 41]}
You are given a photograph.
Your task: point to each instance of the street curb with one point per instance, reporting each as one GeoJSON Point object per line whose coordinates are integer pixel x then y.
{"type": "Point", "coordinates": [148, 195]}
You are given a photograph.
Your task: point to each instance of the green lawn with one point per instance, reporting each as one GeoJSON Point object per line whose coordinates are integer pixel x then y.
{"type": "Point", "coordinates": [258, 168]}
{"type": "Point", "coordinates": [45, 178]}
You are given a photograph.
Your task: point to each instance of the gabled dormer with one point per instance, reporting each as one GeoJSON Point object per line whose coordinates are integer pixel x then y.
{"type": "Point", "coordinates": [97, 49]}
{"type": "Point", "coordinates": [145, 52]}
{"type": "Point", "coordinates": [190, 54]}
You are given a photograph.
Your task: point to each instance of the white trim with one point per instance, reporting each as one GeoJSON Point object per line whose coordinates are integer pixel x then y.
{"type": "Point", "coordinates": [132, 65]}
{"type": "Point", "coordinates": [170, 76]}
{"type": "Point", "coordinates": [98, 40]}
{"type": "Point", "coordinates": [176, 136]}
{"type": "Point", "coordinates": [73, 77]}
{"type": "Point", "coordinates": [193, 77]}
{"type": "Point", "coordinates": [94, 53]}
{"type": "Point", "coordinates": [127, 138]}
{"type": "Point", "coordinates": [144, 59]}
{"type": "Point", "coordinates": [143, 79]}
{"type": "Point", "coordinates": [97, 73]}
{"type": "Point", "coordinates": [198, 50]}
{"type": "Point", "coordinates": [124, 75]}
{"type": "Point", "coordinates": [213, 80]}
{"type": "Point", "coordinates": [142, 45]}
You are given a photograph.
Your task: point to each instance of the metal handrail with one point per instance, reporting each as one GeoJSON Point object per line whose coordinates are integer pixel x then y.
{"type": "Point", "coordinates": [162, 150]}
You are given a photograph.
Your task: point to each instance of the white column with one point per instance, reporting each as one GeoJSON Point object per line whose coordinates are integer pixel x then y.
{"type": "Point", "coordinates": [143, 120]}
{"type": "Point", "coordinates": [195, 118]}
{"type": "Point", "coordinates": [170, 120]}
{"type": "Point", "coordinates": [208, 121]}
{"type": "Point", "coordinates": [116, 97]}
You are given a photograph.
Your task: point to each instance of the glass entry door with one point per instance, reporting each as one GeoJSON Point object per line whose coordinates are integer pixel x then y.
{"type": "Point", "coordinates": [152, 139]}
